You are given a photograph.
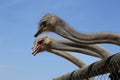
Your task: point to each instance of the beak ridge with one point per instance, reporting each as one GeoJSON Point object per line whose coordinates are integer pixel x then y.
{"type": "Point", "coordinates": [40, 30]}
{"type": "Point", "coordinates": [37, 33]}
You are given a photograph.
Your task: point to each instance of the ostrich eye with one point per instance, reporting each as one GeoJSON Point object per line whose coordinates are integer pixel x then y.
{"type": "Point", "coordinates": [41, 41]}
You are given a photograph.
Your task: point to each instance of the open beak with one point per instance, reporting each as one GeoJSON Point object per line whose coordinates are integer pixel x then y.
{"type": "Point", "coordinates": [38, 49]}
{"type": "Point", "coordinates": [41, 29]}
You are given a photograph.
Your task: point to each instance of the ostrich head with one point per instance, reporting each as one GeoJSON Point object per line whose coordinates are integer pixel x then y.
{"type": "Point", "coordinates": [49, 23]}
{"type": "Point", "coordinates": [40, 44]}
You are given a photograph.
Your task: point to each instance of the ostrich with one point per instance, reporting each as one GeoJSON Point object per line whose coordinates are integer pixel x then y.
{"type": "Point", "coordinates": [41, 44]}
{"type": "Point", "coordinates": [47, 43]}
{"type": "Point", "coordinates": [53, 23]}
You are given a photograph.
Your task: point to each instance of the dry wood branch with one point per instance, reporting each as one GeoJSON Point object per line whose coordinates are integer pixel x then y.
{"type": "Point", "coordinates": [108, 65]}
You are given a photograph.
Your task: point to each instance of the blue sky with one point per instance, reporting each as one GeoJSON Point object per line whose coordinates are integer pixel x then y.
{"type": "Point", "coordinates": [19, 21]}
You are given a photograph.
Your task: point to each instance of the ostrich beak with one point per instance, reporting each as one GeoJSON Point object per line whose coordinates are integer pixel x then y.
{"type": "Point", "coordinates": [40, 30]}
{"type": "Point", "coordinates": [38, 48]}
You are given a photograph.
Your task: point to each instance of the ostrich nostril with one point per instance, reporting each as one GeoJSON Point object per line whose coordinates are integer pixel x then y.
{"type": "Point", "coordinates": [43, 23]}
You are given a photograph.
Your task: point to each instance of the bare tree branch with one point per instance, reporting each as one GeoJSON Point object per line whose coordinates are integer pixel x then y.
{"type": "Point", "coordinates": [108, 65]}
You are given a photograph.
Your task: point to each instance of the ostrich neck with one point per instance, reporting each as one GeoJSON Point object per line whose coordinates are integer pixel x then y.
{"type": "Point", "coordinates": [96, 48]}
{"type": "Point", "coordinates": [103, 37]}
{"type": "Point", "coordinates": [57, 46]}
{"type": "Point", "coordinates": [69, 57]}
